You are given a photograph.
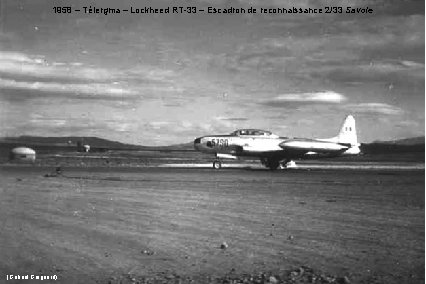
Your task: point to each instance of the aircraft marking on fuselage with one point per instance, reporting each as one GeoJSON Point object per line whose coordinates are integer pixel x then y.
{"type": "Point", "coordinates": [219, 142]}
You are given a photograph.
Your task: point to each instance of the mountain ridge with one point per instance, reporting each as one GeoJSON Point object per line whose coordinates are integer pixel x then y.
{"type": "Point", "coordinates": [93, 141]}
{"type": "Point", "coordinates": [106, 144]}
{"type": "Point", "coordinates": [403, 141]}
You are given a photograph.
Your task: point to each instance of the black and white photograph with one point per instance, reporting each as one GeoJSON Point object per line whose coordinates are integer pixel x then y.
{"type": "Point", "coordinates": [212, 141]}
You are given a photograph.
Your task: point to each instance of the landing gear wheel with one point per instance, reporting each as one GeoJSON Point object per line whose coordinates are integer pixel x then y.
{"type": "Point", "coordinates": [273, 165]}
{"type": "Point", "coordinates": [217, 165]}
{"type": "Point", "coordinates": [283, 164]}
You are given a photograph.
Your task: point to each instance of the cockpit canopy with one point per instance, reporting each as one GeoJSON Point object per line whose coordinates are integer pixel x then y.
{"type": "Point", "coordinates": [253, 132]}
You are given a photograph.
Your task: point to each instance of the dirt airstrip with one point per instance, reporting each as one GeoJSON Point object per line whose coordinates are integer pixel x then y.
{"type": "Point", "coordinates": [157, 225]}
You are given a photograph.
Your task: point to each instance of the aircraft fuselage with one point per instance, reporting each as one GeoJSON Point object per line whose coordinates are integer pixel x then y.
{"type": "Point", "coordinates": [272, 149]}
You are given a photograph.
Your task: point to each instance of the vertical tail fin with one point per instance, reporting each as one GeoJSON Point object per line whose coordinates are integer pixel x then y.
{"type": "Point", "coordinates": [347, 132]}
{"type": "Point", "coordinates": [347, 135]}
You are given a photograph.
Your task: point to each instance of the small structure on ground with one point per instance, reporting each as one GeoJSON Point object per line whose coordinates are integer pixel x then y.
{"type": "Point", "coordinates": [82, 147]}
{"type": "Point", "coordinates": [22, 154]}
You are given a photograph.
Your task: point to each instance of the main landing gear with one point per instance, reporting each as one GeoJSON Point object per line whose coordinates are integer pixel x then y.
{"type": "Point", "coordinates": [274, 164]}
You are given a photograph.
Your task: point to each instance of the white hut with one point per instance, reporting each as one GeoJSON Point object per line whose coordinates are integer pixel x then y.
{"type": "Point", "coordinates": [86, 148]}
{"type": "Point", "coordinates": [23, 154]}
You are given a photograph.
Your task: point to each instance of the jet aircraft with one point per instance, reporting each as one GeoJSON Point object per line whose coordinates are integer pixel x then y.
{"type": "Point", "coordinates": [275, 151]}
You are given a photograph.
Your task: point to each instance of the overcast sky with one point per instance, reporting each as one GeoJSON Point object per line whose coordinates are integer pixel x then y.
{"type": "Point", "coordinates": [166, 79]}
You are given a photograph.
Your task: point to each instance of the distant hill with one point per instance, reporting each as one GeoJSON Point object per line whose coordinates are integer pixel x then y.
{"type": "Point", "coordinates": [406, 141]}
{"type": "Point", "coordinates": [402, 149]}
{"type": "Point", "coordinates": [66, 141]}
{"type": "Point", "coordinates": [179, 147]}
{"type": "Point", "coordinates": [69, 143]}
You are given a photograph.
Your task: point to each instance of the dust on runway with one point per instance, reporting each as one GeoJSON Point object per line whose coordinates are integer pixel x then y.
{"type": "Point", "coordinates": [95, 224]}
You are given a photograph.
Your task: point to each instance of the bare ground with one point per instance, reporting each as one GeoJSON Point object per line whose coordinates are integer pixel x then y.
{"type": "Point", "coordinates": [167, 225]}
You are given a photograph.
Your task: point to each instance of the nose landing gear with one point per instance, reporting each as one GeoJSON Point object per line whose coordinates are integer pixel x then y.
{"type": "Point", "coordinates": [217, 164]}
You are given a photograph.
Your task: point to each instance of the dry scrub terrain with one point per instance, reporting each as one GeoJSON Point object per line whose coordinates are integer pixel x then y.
{"type": "Point", "coordinates": [100, 225]}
